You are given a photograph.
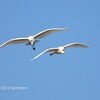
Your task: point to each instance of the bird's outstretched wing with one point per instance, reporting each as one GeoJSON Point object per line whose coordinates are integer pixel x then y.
{"type": "Point", "coordinates": [48, 31]}
{"type": "Point", "coordinates": [76, 45]}
{"type": "Point", "coordinates": [14, 41]}
{"type": "Point", "coordinates": [47, 50]}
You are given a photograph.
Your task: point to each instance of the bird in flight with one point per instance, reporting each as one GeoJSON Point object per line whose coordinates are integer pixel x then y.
{"type": "Point", "coordinates": [60, 50]}
{"type": "Point", "coordinates": [31, 40]}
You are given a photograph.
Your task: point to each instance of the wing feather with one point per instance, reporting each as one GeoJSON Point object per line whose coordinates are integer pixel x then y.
{"type": "Point", "coordinates": [77, 45]}
{"type": "Point", "coordinates": [49, 31]}
{"type": "Point", "coordinates": [14, 41]}
{"type": "Point", "coordinates": [47, 50]}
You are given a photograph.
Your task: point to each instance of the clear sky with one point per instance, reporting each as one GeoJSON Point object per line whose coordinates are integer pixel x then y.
{"type": "Point", "coordinates": [72, 76]}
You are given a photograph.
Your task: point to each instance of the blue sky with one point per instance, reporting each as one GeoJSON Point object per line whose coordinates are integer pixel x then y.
{"type": "Point", "coordinates": [72, 76]}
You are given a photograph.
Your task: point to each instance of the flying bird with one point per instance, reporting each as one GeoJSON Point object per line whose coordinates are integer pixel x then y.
{"type": "Point", "coordinates": [31, 40]}
{"type": "Point", "coordinates": [60, 50]}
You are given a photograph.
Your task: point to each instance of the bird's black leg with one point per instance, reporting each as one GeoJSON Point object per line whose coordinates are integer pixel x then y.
{"type": "Point", "coordinates": [52, 53]}
{"type": "Point", "coordinates": [33, 46]}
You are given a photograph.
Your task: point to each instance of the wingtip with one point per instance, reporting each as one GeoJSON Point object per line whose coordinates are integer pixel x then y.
{"type": "Point", "coordinates": [67, 28]}
{"type": "Point", "coordinates": [87, 46]}
{"type": "Point", "coordinates": [32, 59]}
{"type": "Point", "coordinates": [61, 28]}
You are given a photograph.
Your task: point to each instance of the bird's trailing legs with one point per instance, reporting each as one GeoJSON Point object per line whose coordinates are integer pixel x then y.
{"type": "Point", "coordinates": [52, 53]}
{"type": "Point", "coordinates": [33, 46]}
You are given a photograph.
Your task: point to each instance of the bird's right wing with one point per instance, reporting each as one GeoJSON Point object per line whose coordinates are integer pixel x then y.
{"type": "Point", "coordinates": [47, 50]}
{"type": "Point", "coordinates": [14, 41]}
{"type": "Point", "coordinates": [49, 31]}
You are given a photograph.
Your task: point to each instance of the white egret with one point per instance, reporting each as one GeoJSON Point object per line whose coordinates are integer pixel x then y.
{"type": "Point", "coordinates": [31, 40]}
{"type": "Point", "coordinates": [60, 50]}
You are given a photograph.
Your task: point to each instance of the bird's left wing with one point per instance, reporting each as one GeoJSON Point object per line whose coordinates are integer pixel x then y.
{"type": "Point", "coordinates": [77, 45]}
{"type": "Point", "coordinates": [47, 50]}
{"type": "Point", "coordinates": [48, 31]}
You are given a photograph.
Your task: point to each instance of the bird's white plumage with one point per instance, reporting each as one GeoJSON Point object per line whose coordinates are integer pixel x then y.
{"type": "Point", "coordinates": [47, 50]}
{"type": "Point", "coordinates": [60, 50]}
{"type": "Point", "coordinates": [14, 41]}
{"type": "Point", "coordinates": [48, 31]}
{"type": "Point", "coordinates": [76, 45]}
